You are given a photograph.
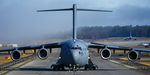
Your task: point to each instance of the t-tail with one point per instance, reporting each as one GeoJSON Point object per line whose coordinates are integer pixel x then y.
{"type": "Point", "coordinates": [74, 9]}
{"type": "Point", "coordinates": [130, 31]}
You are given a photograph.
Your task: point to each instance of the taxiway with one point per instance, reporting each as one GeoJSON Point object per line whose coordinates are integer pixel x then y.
{"type": "Point", "coordinates": [42, 67]}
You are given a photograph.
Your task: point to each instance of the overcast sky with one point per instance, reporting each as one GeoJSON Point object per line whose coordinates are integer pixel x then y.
{"type": "Point", "coordinates": [20, 21]}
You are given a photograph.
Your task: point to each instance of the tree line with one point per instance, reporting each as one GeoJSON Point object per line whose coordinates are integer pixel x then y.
{"type": "Point", "coordinates": [98, 32]}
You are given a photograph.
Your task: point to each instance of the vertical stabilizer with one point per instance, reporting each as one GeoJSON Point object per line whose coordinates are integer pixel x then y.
{"type": "Point", "coordinates": [131, 31]}
{"type": "Point", "coordinates": [74, 9]}
{"type": "Point", "coordinates": [74, 21]}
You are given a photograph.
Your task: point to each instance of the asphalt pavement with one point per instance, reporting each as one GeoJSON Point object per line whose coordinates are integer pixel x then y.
{"type": "Point", "coordinates": [42, 67]}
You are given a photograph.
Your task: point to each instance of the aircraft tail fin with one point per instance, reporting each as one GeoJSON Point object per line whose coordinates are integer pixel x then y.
{"type": "Point", "coordinates": [74, 9]}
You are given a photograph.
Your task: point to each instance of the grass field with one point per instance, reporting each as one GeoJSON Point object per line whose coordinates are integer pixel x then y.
{"type": "Point", "coordinates": [4, 59]}
{"type": "Point", "coordinates": [144, 60]}
{"type": "Point", "coordinates": [7, 58]}
{"type": "Point", "coordinates": [145, 63]}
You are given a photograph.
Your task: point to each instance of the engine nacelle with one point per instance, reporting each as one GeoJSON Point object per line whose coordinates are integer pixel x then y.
{"type": "Point", "coordinates": [15, 55]}
{"type": "Point", "coordinates": [133, 55]}
{"type": "Point", "coordinates": [43, 53]}
{"type": "Point", "coordinates": [105, 53]}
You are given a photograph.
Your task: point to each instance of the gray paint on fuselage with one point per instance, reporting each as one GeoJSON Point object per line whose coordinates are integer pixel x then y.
{"type": "Point", "coordinates": [74, 52]}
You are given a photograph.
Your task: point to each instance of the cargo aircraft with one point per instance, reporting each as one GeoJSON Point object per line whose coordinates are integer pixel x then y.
{"type": "Point", "coordinates": [130, 37]}
{"type": "Point", "coordinates": [74, 52]}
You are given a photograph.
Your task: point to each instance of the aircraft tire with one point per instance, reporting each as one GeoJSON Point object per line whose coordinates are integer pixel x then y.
{"type": "Point", "coordinates": [86, 67]}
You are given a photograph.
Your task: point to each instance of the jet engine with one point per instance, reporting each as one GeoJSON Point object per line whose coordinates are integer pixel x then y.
{"type": "Point", "coordinates": [15, 55]}
{"type": "Point", "coordinates": [133, 55]}
{"type": "Point", "coordinates": [105, 53]}
{"type": "Point", "coordinates": [43, 53]}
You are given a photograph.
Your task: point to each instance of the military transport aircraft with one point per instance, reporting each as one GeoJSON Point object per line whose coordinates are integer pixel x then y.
{"type": "Point", "coordinates": [74, 53]}
{"type": "Point", "coordinates": [130, 37]}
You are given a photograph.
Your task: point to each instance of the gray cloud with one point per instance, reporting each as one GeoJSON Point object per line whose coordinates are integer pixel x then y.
{"type": "Point", "coordinates": [20, 21]}
{"type": "Point", "coordinates": [123, 15]}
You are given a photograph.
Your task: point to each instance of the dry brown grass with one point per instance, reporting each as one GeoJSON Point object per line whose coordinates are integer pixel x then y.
{"type": "Point", "coordinates": [119, 51]}
{"type": "Point", "coordinates": [145, 63]}
{"type": "Point", "coordinates": [4, 59]}
{"type": "Point", "coordinates": [7, 58]}
{"type": "Point", "coordinates": [142, 60]}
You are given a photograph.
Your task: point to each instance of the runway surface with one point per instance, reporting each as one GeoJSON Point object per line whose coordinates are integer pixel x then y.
{"type": "Point", "coordinates": [42, 67]}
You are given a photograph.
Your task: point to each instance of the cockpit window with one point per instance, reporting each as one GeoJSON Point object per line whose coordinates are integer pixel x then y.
{"type": "Point", "coordinates": [75, 47]}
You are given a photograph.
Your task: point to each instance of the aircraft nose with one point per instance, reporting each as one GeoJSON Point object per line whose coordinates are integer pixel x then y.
{"type": "Point", "coordinates": [75, 57]}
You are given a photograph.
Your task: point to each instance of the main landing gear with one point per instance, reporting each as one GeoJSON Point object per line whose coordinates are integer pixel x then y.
{"type": "Point", "coordinates": [90, 66]}
{"type": "Point", "coordinates": [61, 67]}
{"type": "Point", "coordinates": [57, 67]}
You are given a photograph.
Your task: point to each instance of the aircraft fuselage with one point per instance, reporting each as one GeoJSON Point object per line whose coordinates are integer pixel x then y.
{"type": "Point", "coordinates": [74, 52]}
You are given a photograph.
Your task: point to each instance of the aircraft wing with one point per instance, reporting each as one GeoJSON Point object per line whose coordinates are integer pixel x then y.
{"type": "Point", "coordinates": [49, 45]}
{"type": "Point", "coordinates": [105, 53]}
{"type": "Point", "coordinates": [115, 47]}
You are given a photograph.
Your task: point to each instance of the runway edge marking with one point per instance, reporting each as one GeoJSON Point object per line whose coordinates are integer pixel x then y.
{"type": "Point", "coordinates": [131, 67]}
{"type": "Point", "coordinates": [21, 64]}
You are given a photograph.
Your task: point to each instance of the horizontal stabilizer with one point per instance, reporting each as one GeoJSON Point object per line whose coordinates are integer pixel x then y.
{"type": "Point", "coordinates": [94, 10]}
{"type": "Point", "coordinates": [55, 10]}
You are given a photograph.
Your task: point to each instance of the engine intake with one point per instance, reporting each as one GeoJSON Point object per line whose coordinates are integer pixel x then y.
{"type": "Point", "coordinates": [133, 55]}
{"type": "Point", "coordinates": [16, 55]}
{"type": "Point", "coordinates": [43, 53]}
{"type": "Point", "coordinates": [105, 53]}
